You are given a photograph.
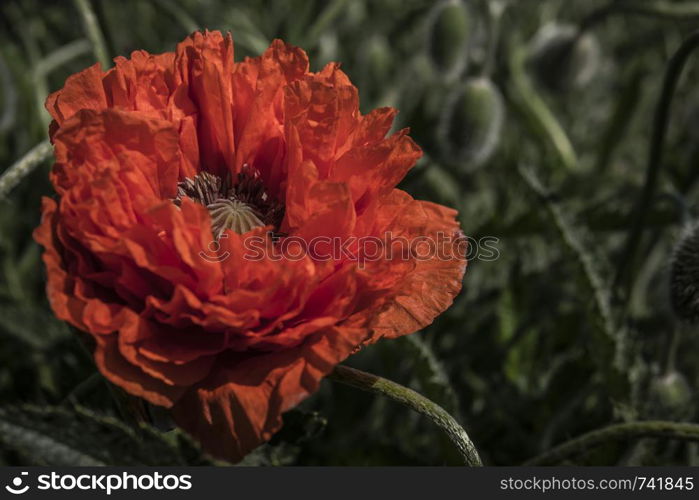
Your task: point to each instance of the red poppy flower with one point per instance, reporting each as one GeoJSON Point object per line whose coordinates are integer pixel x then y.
{"type": "Point", "coordinates": [164, 159]}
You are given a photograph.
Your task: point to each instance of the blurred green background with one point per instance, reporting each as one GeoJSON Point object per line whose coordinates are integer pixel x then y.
{"type": "Point", "coordinates": [535, 118]}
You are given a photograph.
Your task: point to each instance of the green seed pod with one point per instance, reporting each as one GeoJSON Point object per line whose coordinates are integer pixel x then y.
{"type": "Point", "coordinates": [670, 396]}
{"type": "Point", "coordinates": [562, 58]}
{"type": "Point", "coordinates": [684, 276]}
{"type": "Point", "coordinates": [448, 37]}
{"type": "Point", "coordinates": [471, 123]}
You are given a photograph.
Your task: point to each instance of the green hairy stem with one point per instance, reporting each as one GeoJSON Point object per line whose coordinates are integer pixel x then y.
{"type": "Point", "coordinates": [414, 401]}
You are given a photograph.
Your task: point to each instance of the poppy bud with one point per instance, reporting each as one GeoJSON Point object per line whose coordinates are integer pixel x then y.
{"type": "Point", "coordinates": [442, 185]}
{"type": "Point", "coordinates": [471, 123]}
{"type": "Point", "coordinates": [561, 57]}
{"type": "Point", "coordinates": [684, 276]}
{"type": "Point", "coordinates": [379, 56]}
{"type": "Point", "coordinates": [376, 65]}
{"type": "Point", "coordinates": [449, 33]}
{"type": "Point", "coordinates": [670, 396]}
{"type": "Point", "coordinates": [686, 140]}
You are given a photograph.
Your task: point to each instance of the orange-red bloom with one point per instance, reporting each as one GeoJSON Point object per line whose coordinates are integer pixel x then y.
{"type": "Point", "coordinates": [145, 149]}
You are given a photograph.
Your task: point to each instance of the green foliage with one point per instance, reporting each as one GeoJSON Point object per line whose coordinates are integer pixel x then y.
{"type": "Point", "coordinates": [60, 436]}
{"type": "Point", "coordinates": [539, 347]}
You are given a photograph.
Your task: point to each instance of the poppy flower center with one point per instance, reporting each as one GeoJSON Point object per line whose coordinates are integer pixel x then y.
{"type": "Point", "coordinates": [239, 205]}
